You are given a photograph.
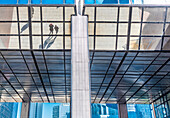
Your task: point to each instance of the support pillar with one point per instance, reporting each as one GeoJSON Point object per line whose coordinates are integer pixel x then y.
{"type": "Point", "coordinates": [25, 110]}
{"type": "Point", "coordinates": [80, 75]}
{"type": "Point", "coordinates": [122, 109]}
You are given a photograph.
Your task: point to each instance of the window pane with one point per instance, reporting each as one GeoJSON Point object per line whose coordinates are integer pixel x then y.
{"type": "Point", "coordinates": [106, 14]}
{"type": "Point", "coordinates": [107, 43]}
{"type": "Point", "coordinates": [105, 29]}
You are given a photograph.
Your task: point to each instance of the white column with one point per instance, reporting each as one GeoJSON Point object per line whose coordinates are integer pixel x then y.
{"type": "Point", "coordinates": [25, 110]}
{"type": "Point", "coordinates": [80, 75]}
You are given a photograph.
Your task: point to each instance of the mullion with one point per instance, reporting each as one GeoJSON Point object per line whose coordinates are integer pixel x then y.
{"type": "Point", "coordinates": [165, 17]}
{"type": "Point", "coordinates": [48, 75]}
{"type": "Point", "coordinates": [8, 93]}
{"type": "Point", "coordinates": [117, 29]}
{"type": "Point", "coordinates": [11, 85]}
{"type": "Point", "coordinates": [18, 27]}
{"type": "Point", "coordinates": [150, 77]}
{"type": "Point", "coordinates": [122, 77]}
{"type": "Point", "coordinates": [141, 25]}
{"type": "Point", "coordinates": [117, 69]}
{"type": "Point", "coordinates": [39, 74]}
{"type": "Point", "coordinates": [154, 85]}
{"type": "Point", "coordinates": [14, 75]}
{"type": "Point", "coordinates": [129, 27]}
{"type": "Point", "coordinates": [105, 75]}
{"type": "Point", "coordinates": [140, 76]}
{"type": "Point", "coordinates": [31, 74]}
{"type": "Point", "coordinates": [94, 43]}
{"type": "Point", "coordinates": [64, 53]}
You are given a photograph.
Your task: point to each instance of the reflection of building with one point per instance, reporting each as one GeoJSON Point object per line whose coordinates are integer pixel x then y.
{"type": "Point", "coordinates": [36, 110]}
{"type": "Point", "coordinates": [61, 111]}
{"type": "Point", "coordinates": [8, 110]}
{"type": "Point", "coordinates": [104, 110]}
{"type": "Point", "coordinates": [56, 111]}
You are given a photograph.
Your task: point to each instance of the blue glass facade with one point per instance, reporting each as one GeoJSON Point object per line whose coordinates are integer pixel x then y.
{"type": "Point", "coordinates": [10, 110]}
{"type": "Point", "coordinates": [139, 111]}
{"type": "Point", "coordinates": [37, 2]}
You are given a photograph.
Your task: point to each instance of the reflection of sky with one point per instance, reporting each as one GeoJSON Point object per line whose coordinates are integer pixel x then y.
{"type": "Point", "coordinates": [86, 1]}
{"type": "Point", "coordinates": [48, 109]}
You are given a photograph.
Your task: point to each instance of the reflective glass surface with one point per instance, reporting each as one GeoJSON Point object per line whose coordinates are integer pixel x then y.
{"type": "Point", "coordinates": [37, 2]}
{"type": "Point", "coordinates": [10, 109]}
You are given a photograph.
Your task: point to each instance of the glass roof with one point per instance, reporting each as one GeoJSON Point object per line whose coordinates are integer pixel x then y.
{"type": "Point", "coordinates": [109, 28]}
{"type": "Point", "coordinates": [45, 76]}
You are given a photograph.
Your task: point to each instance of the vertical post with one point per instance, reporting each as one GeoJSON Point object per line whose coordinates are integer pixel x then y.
{"type": "Point", "coordinates": [122, 110]}
{"type": "Point", "coordinates": [25, 110]}
{"type": "Point", "coordinates": [153, 108]}
{"type": "Point", "coordinates": [80, 75]}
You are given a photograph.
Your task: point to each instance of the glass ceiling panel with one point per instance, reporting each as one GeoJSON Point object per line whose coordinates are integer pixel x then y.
{"type": "Point", "coordinates": [37, 2]}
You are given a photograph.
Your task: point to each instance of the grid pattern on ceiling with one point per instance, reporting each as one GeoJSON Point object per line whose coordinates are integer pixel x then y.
{"type": "Point", "coordinates": [28, 27]}
{"type": "Point", "coordinates": [110, 27]}
{"type": "Point", "coordinates": [116, 76]}
{"type": "Point", "coordinates": [128, 27]}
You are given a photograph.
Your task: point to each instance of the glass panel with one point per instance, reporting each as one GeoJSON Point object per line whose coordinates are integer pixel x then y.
{"type": "Point", "coordinates": [8, 13]}
{"type": "Point", "coordinates": [52, 13]}
{"type": "Point", "coordinates": [123, 29]}
{"type": "Point", "coordinates": [122, 42]}
{"type": "Point", "coordinates": [36, 42]}
{"type": "Point", "coordinates": [152, 29]}
{"type": "Point", "coordinates": [9, 42]}
{"type": "Point", "coordinates": [52, 1]}
{"type": "Point", "coordinates": [69, 1]}
{"type": "Point", "coordinates": [10, 110]}
{"type": "Point", "coordinates": [124, 1]}
{"type": "Point", "coordinates": [105, 43]}
{"type": "Point", "coordinates": [166, 44]}
{"type": "Point", "coordinates": [36, 28]}
{"type": "Point", "coordinates": [134, 43]}
{"type": "Point", "coordinates": [124, 14]}
{"type": "Point", "coordinates": [68, 12]}
{"type": "Point", "coordinates": [150, 43]}
{"type": "Point", "coordinates": [168, 15]}
{"type": "Point", "coordinates": [8, 28]}
{"type": "Point", "coordinates": [106, 1]}
{"type": "Point", "coordinates": [25, 42]}
{"type": "Point", "coordinates": [35, 1]}
{"type": "Point", "coordinates": [91, 43]}
{"type": "Point", "coordinates": [53, 42]}
{"type": "Point", "coordinates": [105, 29]}
{"type": "Point", "coordinates": [139, 111]}
{"type": "Point", "coordinates": [136, 14]}
{"type": "Point", "coordinates": [90, 28]}
{"type": "Point", "coordinates": [135, 28]}
{"type": "Point", "coordinates": [67, 28]}
{"type": "Point", "coordinates": [106, 14]}
{"type": "Point", "coordinates": [46, 28]}
{"type": "Point", "coordinates": [8, 1]}
{"type": "Point", "coordinates": [67, 42]}
{"type": "Point", "coordinates": [104, 110]}
{"type": "Point", "coordinates": [23, 2]}
{"type": "Point", "coordinates": [24, 28]}
{"type": "Point", "coordinates": [89, 1]}
{"type": "Point", "coordinates": [23, 13]}
{"type": "Point", "coordinates": [151, 14]}
{"type": "Point", "coordinates": [90, 12]}
{"type": "Point", "coordinates": [35, 11]}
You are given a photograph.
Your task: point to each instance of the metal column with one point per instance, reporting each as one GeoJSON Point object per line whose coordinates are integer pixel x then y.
{"type": "Point", "coordinates": [122, 110]}
{"type": "Point", "coordinates": [80, 75]}
{"type": "Point", "coordinates": [25, 110]}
